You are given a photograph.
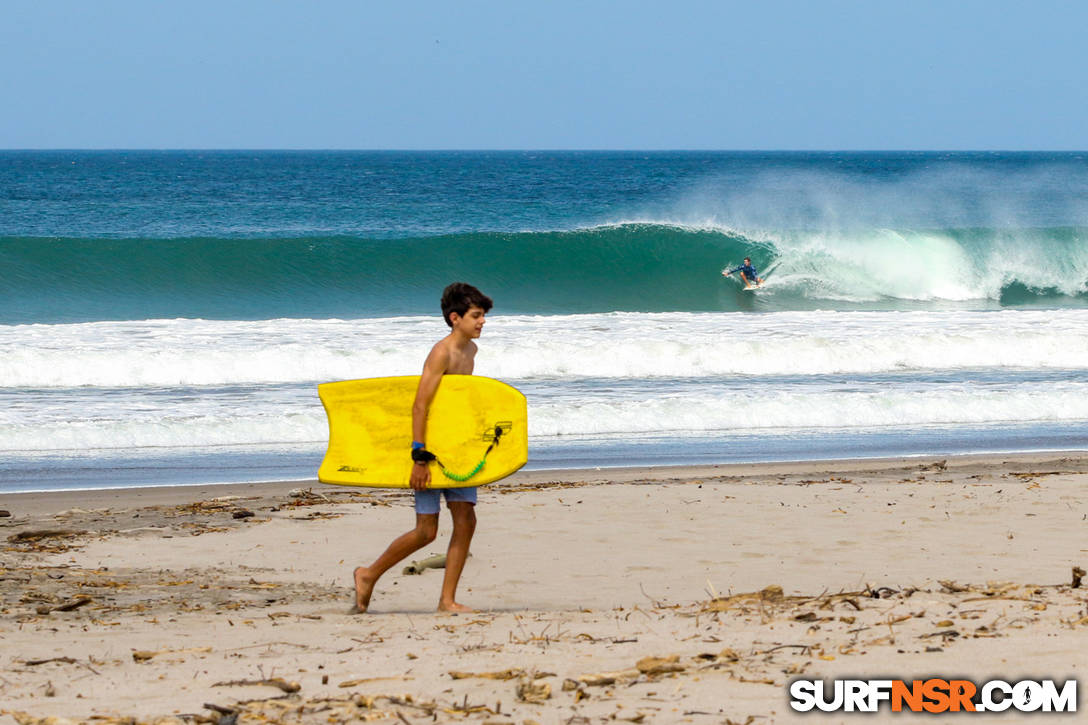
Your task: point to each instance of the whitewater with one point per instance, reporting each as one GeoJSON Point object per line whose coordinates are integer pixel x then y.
{"type": "Point", "coordinates": [166, 317]}
{"type": "Point", "coordinates": [669, 381]}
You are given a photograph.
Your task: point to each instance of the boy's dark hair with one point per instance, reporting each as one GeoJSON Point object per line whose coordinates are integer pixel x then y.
{"type": "Point", "coordinates": [459, 297]}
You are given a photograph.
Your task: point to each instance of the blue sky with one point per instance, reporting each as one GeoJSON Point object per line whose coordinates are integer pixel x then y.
{"type": "Point", "coordinates": [558, 75]}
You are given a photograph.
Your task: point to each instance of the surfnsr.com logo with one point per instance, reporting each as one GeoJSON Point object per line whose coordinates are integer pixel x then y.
{"type": "Point", "coordinates": [935, 695]}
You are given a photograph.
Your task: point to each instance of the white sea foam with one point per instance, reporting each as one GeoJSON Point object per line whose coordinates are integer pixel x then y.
{"type": "Point", "coordinates": [880, 264]}
{"type": "Point", "coordinates": [725, 408]}
{"type": "Point", "coordinates": [619, 345]}
{"type": "Point", "coordinates": [165, 431]}
{"type": "Point", "coordinates": [747, 409]}
{"type": "Point", "coordinates": [194, 383]}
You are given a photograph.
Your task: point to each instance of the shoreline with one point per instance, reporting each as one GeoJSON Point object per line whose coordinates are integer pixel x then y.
{"type": "Point", "coordinates": [172, 493]}
{"type": "Point", "coordinates": [657, 595]}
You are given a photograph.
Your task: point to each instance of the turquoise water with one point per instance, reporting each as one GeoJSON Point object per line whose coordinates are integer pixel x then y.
{"type": "Point", "coordinates": [644, 267]}
{"type": "Point", "coordinates": [232, 235]}
{"type": "Point", "coordinates": [166, 316]}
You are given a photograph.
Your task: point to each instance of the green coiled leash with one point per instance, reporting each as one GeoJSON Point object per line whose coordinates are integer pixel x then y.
{"type": "Point", "coordinates": [425, 456]}
{"type": "Point", "coordinates": [465, 476]}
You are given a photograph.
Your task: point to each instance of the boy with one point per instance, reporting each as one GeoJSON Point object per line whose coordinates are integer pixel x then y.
{"type": "Point", "coordinates": [464, 308]}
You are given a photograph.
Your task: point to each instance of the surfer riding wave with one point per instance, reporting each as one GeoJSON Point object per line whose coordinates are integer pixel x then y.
{"type": "Point", "coordinates": [747, 273]}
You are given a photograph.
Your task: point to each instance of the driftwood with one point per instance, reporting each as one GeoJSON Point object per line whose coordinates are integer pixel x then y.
{"type": "Point", "coordinates": [282, 684]}
{"type": "Point", "coordinates": [68, 606]}
{"type": "Point", "coordinates": [437, 561]}
{"type": "Point", "coordinates": [145, 655]}
{"type": "Point", "coordinates": [533, 692]}
{"type": "Point", "coordinates": [659, 665]}
{"type": "Point", "coordinates": [500, 675]}
{"type": "Point", "coordinates": [65, 660]}
{"type": "Point", "coordinates": [220, 709]}
{"type": "Point", "coordinates": [607, 678]}
{"type": "Point", "coordinates": [38, 534]}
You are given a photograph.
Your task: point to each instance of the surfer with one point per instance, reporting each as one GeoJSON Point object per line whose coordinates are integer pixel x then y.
{"type": "Point", "coordinates": [747, 273]}
{"type": "Point", "coordinates": [464, 308]}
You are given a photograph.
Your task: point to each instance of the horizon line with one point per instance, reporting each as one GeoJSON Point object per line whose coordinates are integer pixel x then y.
{"type": "Point", "coordinates": [257, 149]}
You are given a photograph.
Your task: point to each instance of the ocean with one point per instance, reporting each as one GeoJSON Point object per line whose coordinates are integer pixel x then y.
{"type": "Point", "coordinates": [166, 316]}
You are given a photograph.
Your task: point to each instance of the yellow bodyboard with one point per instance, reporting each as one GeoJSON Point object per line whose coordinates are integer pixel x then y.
{"type": "Point", "coordinates": [370, 430]}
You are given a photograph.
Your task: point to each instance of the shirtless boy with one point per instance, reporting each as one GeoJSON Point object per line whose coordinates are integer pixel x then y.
{"type": "Point", "coordinates": [464, 308]}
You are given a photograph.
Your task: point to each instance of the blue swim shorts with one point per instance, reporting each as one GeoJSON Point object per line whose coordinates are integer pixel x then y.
{"type": "Point", "coordinates": [427, 499]}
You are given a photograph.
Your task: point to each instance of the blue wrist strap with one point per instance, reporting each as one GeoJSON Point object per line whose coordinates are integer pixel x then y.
{"type": "Point", "coordinates": [416, 445]}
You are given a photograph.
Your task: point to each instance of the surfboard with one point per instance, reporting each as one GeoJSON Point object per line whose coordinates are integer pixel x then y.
{"type": "Point", "coordinates": [753, 288]}
{"type": "Point", "coordinates": [370, 431]}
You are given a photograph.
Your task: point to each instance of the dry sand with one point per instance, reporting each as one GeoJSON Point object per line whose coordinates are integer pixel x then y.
{"type": "Point", "coordinates": [662, 595]}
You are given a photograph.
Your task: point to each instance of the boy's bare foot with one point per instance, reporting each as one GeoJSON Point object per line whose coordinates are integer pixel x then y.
{"type": "Point", "coordinates": [364, 587]}
{"type": "Point", "coordinates": [454, 607]}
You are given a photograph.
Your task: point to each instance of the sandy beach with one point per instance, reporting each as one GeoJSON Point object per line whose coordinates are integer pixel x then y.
{"type": "Point", "coordinates": [664, 595]}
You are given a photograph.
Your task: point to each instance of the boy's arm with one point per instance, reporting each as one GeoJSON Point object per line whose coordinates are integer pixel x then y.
{"type": "Point", "coordinates": [433, 370]}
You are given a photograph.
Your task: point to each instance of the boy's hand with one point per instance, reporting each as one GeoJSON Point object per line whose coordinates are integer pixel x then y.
{"type": "Point", "coordinates": [421, 476]}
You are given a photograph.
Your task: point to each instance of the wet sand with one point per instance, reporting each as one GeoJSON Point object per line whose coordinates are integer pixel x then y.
{"type": "Point", "coordinates": [655, 595]}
